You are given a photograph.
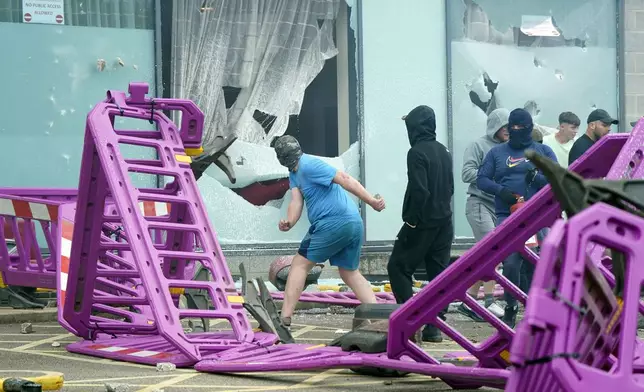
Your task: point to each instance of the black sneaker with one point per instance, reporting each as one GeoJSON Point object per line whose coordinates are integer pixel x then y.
{"type": "Point", "coordinates": [510, 316]}
{"type": "Point", "coordinates": [466, 311]}
{"type": "Point", "coordinates": [432, 334]}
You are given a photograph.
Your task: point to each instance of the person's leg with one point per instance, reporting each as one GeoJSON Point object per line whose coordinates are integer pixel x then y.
{"type": "Point", "coordinates": [482, 219]}
{"type": "Point", "coordinates": [436, 261]}
{"type": "Point", "coordinates": [409, 249]}
{"type": "Point", "coordinates": [527, 272]}
{"type": "Point", "coordinates": [348, 261]}
{"type": "Point", "coordinates": [314, 249]}
{"type": "Point", "coordinates": [512, 272]}
{"type": "Point", "coordinates": [300, 268]}
{"type": "Point", "coordinates": [489, 224]}
{"type": "Point", "coordinates": [359, 285]}
{"type": "Point", "coordinates": [473, 216]}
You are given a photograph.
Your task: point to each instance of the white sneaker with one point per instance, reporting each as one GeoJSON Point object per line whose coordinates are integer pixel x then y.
{"type": "Point", "coordinates": [496, 310]}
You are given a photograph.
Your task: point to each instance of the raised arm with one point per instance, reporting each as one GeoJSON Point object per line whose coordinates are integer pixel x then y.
{"type": "Point", "coordinates": [324, 174]}
{"type": "Point", "coordinates": [354, 187]}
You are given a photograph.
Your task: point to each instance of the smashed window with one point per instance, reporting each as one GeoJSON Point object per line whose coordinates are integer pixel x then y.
{"type": "Point", "coordinates": [547, 57]}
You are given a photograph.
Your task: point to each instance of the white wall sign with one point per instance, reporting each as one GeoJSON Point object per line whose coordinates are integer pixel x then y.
{"type": "Point", "coordinates": [43, 11]}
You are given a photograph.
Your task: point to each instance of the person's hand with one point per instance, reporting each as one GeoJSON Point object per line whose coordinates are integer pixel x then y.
{"type": "Point", "coordinates": [377, 203]}
{"type": "Point", "coordinates": [285, 225]}
{"type": "Point", "coordinates": [508, 197]}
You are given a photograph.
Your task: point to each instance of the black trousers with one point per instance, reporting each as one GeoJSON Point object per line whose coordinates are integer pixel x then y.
{"type": "Point", "coordinates": [431, 246]}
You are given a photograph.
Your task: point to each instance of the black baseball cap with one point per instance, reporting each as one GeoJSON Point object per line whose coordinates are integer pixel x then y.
{"type": "Point", "coordinates": [601, 115]}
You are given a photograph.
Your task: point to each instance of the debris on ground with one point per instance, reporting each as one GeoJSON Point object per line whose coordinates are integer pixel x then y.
{"type": "Point", "coordinates": [55, 344]}
{"type": "Point", "coordinates": [388, 382]}
{"type": "Point", "coordinates": [118, 387]}
{"type": "Point", "coordinates": [18, 385]}
{"type": "Point", "coordinates": [166, 367]}
{"type": "Point", "coordinates": [26, 328]}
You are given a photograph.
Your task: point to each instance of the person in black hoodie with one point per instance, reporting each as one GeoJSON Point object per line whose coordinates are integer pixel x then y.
{"type": "Point", "coordinates": [427, 231]}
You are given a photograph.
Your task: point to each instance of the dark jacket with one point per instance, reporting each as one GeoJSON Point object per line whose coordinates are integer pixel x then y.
{"type": "Point", "coordinates": [505, 168]}
{"type": "Point", "coordinates": [430, 178]}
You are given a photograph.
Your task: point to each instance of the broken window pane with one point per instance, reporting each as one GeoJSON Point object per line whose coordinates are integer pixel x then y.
{"type": "Point", "coordinates": [286, 69]}
{"type": "Point", "coordinates": [545, 56]}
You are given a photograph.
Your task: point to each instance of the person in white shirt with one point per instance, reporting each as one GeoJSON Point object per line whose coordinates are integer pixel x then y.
{"type": "Point", "coordinates": [562, 141]}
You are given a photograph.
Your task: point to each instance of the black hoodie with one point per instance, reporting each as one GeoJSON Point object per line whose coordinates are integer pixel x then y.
{"type": "Point", "coordinates": [430, 178]}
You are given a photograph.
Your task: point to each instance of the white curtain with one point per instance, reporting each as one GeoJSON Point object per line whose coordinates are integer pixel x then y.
{"type": "Point", "coordinates": [269, 49]}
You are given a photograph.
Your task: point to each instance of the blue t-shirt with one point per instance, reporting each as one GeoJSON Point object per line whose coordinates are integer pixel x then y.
{"type": "Point", "coordinates": [506, 167]}
{"type": "Point", "coordinates": [323, 197]}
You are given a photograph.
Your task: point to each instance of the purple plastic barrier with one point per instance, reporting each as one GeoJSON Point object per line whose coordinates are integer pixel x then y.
{"type": "Point", "coordinates": [349, 299]}
{"type": "Point", "coordinates": [336, 298]}
{"type": "Point", "coordinates": [561, 348]}
{"type": "Point", "coordinates": [160, 266]}
{"type": "Point", "coordinates": [150, 350]}
{"type": "Point", "coordinates": [478, 263]}
{"type": "Point", "coordinates": [25, 265]}
{"type": "Point", "coordinates": [294, 357]}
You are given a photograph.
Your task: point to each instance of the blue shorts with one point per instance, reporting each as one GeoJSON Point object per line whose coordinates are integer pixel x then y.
{"type": "Point", "coordinates": [337, 239]}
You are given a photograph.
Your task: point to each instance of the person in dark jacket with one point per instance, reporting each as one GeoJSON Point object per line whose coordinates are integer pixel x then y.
{"type": "Point", "coordinates": [599, 123]}
{"type": "Point", "coordinates": [427, 232]}
{"type": "Point", "coordinates": [508, 175]}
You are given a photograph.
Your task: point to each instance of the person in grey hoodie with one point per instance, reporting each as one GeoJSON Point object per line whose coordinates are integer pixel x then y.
{"type": "Point", "coordinates": [479, 209]}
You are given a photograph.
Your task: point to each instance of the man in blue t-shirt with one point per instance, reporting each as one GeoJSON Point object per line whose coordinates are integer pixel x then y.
{"type": "Point", "coordinates": [336, 230]}
{"type": "Point", "coordinates": [508, 175]}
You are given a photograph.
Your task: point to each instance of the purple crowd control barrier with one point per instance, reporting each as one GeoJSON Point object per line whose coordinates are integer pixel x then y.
{"type": "Point", "coordinates": [479, 264]}
{"type": "Point", "coordinates": [294, 357]}
{"type": "Point", "coordinates": [336, 298]}
{"type": "Point", "coordinates": [350, 299]}
{"type": "Point", "coordinates": [576, 334]}
{"type": "Point", "coordinates": [22, 261]}
{"type": "Point", "coordinates": [111, 248]}
{"type": "Point", "coordinates": [492, 355]}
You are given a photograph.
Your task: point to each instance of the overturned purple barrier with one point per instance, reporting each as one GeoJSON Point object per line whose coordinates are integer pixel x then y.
{"type": "Point", "coordinates": [292, 357]}
{"type": "Point", "coordinates": [576, 334]}
{"type": "Point", "coordinates": [22, 261]}
{"type": "Point", "coordinates": [350, 299]}
{"type": "Point", "coordinates": [479, 263]}
{"type": "Point", "coordinates": [124, 263]}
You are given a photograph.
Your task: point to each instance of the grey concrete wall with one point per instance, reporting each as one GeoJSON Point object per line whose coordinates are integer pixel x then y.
{"type": "Point", "coordinates": [634, 59]}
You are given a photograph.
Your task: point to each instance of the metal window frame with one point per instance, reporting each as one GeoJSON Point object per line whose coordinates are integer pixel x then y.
{"type": "Point", "coordinates": [621, 66]}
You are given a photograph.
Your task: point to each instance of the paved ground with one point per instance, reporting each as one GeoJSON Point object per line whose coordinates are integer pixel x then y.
{"type": "Point", "coordinates": [34, 352]}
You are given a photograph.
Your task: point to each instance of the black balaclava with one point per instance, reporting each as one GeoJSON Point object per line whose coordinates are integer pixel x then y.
{"type": "Point", "coordinates": [288, 151]}
{"type": "Point", "coordinates": [520, 139]}
{"type": "Point", "coordinates": [421, 124]}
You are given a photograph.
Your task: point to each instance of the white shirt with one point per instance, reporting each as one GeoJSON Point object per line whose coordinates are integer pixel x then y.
{"type": "Point", "coordinates": [561, 150]}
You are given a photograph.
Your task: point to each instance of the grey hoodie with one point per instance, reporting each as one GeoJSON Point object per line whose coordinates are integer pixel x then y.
{"type": "Point", "coordinates": [475, 152]}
